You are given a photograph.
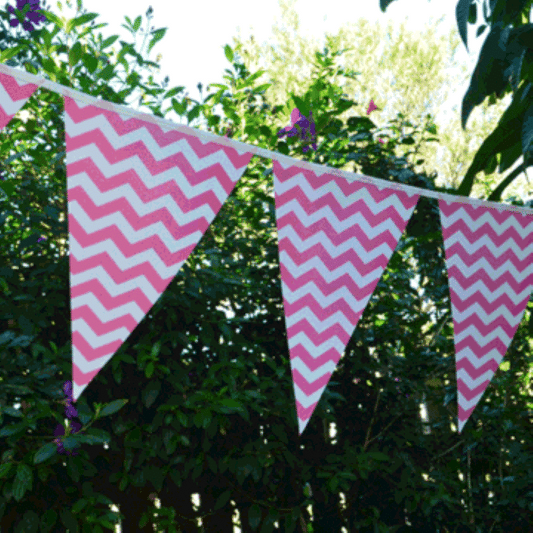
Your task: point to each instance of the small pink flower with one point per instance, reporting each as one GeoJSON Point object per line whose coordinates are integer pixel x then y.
{"type": "Point", "coordinates": [372, 107]}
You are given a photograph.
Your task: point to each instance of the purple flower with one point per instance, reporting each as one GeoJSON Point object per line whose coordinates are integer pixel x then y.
{"type": "Point", "coordinates": [298, 119]}
{"type": "Point", "coordinates": [59, 431]}
{"type": "Point", "coordinates": [70, 412]}
{"type": "Point", "coordinates": [32, 14]}
{"type": "Point", "coordinates": [67, 388]}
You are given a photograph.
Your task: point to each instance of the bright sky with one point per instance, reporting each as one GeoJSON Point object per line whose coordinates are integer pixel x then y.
{"type": "Point", "coordinates": [192, 52]}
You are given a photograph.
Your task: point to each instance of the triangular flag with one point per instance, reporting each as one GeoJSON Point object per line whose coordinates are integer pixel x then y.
{"type": "Point", "coordinates": [489, 258]}
{"type": "Point", "coordinates": [139, 201]}
{"type": "Point", "coordinates": [335, 237]}
{"type": "Point", "coordinates": [13, 96]}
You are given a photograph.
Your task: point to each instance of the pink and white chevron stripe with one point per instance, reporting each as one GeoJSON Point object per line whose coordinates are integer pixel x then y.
{"type": "Point", "coordinates": [13, 97]}
{"type": "Point", "coordinates": [139, 201]}
{"type": "Point", "coordinates": [336, 238]}
{"type": "Point", "coordinates": [489, 258]}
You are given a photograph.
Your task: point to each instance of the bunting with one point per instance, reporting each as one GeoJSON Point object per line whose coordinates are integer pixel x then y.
{"type": "Point", "coordinates": [139, 201]}
{"type": "Point", "coordinates": [489, 258]}
{"type": "Point", "coordinates": [142, 192]}
{"type": "Point", "coordinates": [335, 240]}
{"type": "Point", "coordinates": [13, 97]}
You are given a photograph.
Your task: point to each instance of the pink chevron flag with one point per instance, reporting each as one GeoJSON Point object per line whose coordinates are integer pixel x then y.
{"type": "Point", "coordinates": [139, 201]}
{"type": "Point", "coordinates": [13, 96]}
{"type": "Point", "coordinates": [489, 258]}
{"type": "Point", "coordinates": [335, 239]}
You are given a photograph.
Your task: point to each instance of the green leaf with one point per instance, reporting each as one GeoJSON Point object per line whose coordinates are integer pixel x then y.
{"type": "Point", "coordinates": [248, 82]}
{"type": "Point", "coordinates": [193, 113]}
{"type": "Point", "coordinates": [144, 520]}
{"type": "Point", "coordinates": [505, 136]}
{"type": "Point", "coordinates": [79, 505]}
{"type": "Point", "coordinates": [29, 522]}
{"type": "Point", "coordinates": [95, 436]}
{"type": "Point", "coordinates": [84, 413]}
{"type": "Point", "coordinates": [156, 348]}
{"type": "Point", "coordinates": [12, 430]}
{"type": "Point", "coordinates": [179, 107]}
{"type": "Point", "coordinates": [8, 188]}
{"type": "Point", "coordinates": [480, 30]}
{"type": "Point", "coordinates": [19, 488]}
{"type": "Point", "coordinates": [78, 21]}
{"type": "Point", "coordinates": [202, 418]}
{"type": "Point", "coordinates": [107, 73]}
{"type": "Point", "coordinates": [109, 41]}
{"type": "Point", "coordinates": [490, 59]}
{"type": "Point", "coordinates": [212, 464]}
{"type": "Point", "coordinates": [69, 521]}
{"type": "Point", "coordinates": [379, 456]}
{"type": "Point", "coordinates": [8, 53]}
{"type": "Point", "coordinates": [472, 14]}
{"type": "Point", "coordinates": [151, 392]}
{"type": "Point", "coordinates": [53, 18]}
{"type": "Point", "coordinates": [137, 23]}
{"type": "Point", "coordinates": [48, 519]}
{"type": "Point", "coordinates": [173, 92]}
{"type": "Point", "coordinates": [228, 52]}
{"type": "Point", "coordinates": [112, 407]}
{"type": "Point", "coordinates": [222, 500]}
{"type": "Point", "coordinates": [12, 411]}
{"type": "Point", "coordinates": [268, 525]}
{"type": "Point", "coordinates": [28, 242]}
{"type": "Point", "coordinates": [75, 54]}
{"type": "Point", "coordinates": [527, 134]}
{"type": "Point", "coordinates": [25, 474]}
{"type": "Point", "coordinates": [301, 105]}
{"type": "Point", "coordinates": [254, 516]}
{"type": "Point", "coordinates": [283, 148]}
{"type": "Point", "coordinates": [234, 404]}
{"type": "Point", "coordinates": [491, 166]}
{"type": "Point", "coordinates": [71, 442]}
{"type": "Point", "coordinates": [90, 62]}
{"type": "Point", "coordinates": [45, 452]}
{"type": "Point", "coordinates": [157, 36]}
{"type": "Point", "coordinates": [149, 370]}
{"type": "Point", "coordinates": [5, 469]}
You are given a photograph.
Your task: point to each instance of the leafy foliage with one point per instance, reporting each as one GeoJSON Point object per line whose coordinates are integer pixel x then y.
{"type": "Point", "coordinates": [380, 63]}
{"type": "Point", "coordinates": [504, 66]}
{"type": "Point", "coordinates": [210, 408]}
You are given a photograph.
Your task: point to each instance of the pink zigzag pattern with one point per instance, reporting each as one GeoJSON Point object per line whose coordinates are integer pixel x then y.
{"type": "Point", "coordinates": [489, 258]}
{"type": "Point", "coordinates": [336, 238]}
{"type": "Point", "coordinates": [13, 97]}
{"type": "Point", "coordinates": [139, 201]}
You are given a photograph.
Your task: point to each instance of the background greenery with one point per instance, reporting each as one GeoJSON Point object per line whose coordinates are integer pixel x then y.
{"type": "Point", "coordinates": [196, 403]}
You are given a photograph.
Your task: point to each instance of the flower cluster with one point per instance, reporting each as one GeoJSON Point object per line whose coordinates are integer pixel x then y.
{"type": "Point", "coordinates": [33, 15]}
{"type": "Point", "coordinates": [298, 119]}
{"type": "Point", "coordinates": [71, 413]}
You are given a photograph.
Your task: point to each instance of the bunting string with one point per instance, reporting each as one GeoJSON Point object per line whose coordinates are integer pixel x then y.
{"type": "Point", "coordinates": [241, 147]}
